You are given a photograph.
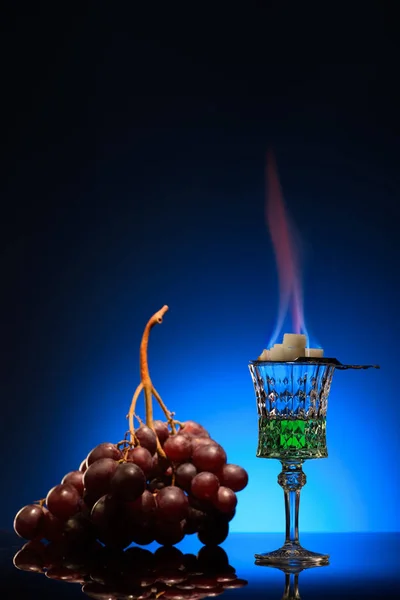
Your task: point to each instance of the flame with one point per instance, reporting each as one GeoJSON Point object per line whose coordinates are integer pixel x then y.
{"type": "Point", "coordinates": [286, 253]}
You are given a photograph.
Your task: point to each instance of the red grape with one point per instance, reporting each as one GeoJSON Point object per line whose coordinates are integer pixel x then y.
{"type": "Point", "coordinates": [104, 450]}
{"type": "Point", "coordinates": [194, 429]}
{"type": "Point", "coordinates": [205, 485]}
{"type": "Point", "coordinates": [193, 520]}
{"type": "Point", "coordinates": [83, 466]}
{"type": "Point", "coordinates": [79, 529]}
{"type": "Point", "coordinates": [160, 465]}
{"type": "Point", "coordinates": [142, 458]}
{"type": "Point", "coordinates": [156, 484]}
{"type": "Point", "coordinates": [29, 522]}
{"type": "Point", "coordinates": [105, 512]}
{"type": "Point", "coordinates": [141, 509]}
{"type": "Point", "coordinates": [234, 477]}
{"type": "Point", "coordinates": [209, 458]}
{"type": "Point", "coordinates": [184, 475]}
{"type": "Point", "coordinates": [109, 520]}
{"type": "Point", "coordinates": [63, 501]}
{"type": "Point", "coordinates": [169, 533]}
{"type": "Point", "coordinates": [74, 478]}
{"type": "Point", "coordinates": [178, 448]}
{"type": "Point", "coordinates": [172, 503]}
{"type": "Point", "coordinates": [52, 527]}
{"type": "Point", "coordinates": [203, 505]}
{"type": "Point", "coordinates": [128, 482]}
{"type": "Point", "coordinates": [142, 535]}
{"type": "Point", "coordinates": [161, 430]}
{"type": "Point", "coordinates": [226, 500]}
{"type": "Point", "coordinates": [156, 466]}
{"type": "Point", "coordinates": [228, 516]}
{"type": "Point", "coordinates": [89, 499]}
{"type": "Point", "coordinates": [147, 438]}
{"type": "Point", "coordinates": [98, 476]}
{"type": "Point", "coordinates": [213, 532]}
{"type": "Point", "coordinates": [202, 441]}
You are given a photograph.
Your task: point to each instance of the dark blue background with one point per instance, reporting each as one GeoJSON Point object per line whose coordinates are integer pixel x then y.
{"type": "Point", "coordinates": [133, 176]}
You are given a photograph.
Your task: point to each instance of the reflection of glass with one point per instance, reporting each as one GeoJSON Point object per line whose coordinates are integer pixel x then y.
{"type": "Point", "coordinates": [135, 572]}
{"type": "Point", "coordinates": [292, 401]}
{"type": "Point", "coordinates": [291, 589]}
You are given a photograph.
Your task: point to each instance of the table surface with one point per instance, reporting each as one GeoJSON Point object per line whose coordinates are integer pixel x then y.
{"type": "Point", "coordinates": [361, 565]}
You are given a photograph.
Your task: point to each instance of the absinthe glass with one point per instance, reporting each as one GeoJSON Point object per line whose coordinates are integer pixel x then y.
{"type": "Point", "coordinates": [292, 401]}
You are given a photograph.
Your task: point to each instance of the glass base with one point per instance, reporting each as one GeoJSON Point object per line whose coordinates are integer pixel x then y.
{"type": "Point", "coordinates": [292, 554]}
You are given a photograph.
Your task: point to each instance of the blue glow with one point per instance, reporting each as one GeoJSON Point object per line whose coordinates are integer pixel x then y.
{"type": "Point", "coordinates": [79, 365]}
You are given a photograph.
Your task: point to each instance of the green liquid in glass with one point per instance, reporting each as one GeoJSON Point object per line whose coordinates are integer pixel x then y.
{"type": "Point", "coordinates": [292, 438]}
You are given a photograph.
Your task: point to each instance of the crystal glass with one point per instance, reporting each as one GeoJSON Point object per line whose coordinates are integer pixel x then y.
{"type": "Point", "coordinates": [292, 402]}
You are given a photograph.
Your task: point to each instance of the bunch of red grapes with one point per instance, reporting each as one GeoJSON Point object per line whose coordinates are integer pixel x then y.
{"type": "Point", "coordinates": [121, 496]}
{"type": "Point", "coordinates": [134, 574]}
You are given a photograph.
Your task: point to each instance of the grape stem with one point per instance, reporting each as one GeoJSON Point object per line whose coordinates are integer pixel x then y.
{"type": "Point", "coordinates": [147, 386]}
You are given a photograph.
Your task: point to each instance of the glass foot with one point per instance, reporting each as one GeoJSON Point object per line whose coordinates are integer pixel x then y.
{"type": "Point", "coordinates": [291, 554]}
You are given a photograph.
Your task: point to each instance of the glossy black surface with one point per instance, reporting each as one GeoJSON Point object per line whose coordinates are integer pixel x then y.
{"type": "Point", "coordinates": [361, 566]}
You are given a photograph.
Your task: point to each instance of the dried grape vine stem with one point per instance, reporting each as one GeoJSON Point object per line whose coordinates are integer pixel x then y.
{"type": "Point", "coordinates": [146, 385]}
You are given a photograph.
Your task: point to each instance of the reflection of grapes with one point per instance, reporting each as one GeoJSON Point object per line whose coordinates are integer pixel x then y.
{"type": "Point", "coordinates": [162, 481]}
{"type": "Point", "coordinates": [135, 573]}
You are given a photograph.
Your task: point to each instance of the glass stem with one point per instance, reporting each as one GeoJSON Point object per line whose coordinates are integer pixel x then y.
{"type": "Point", "coordinates": [292, 479]}
{"type": "Point", "coordinates": [292, 504]}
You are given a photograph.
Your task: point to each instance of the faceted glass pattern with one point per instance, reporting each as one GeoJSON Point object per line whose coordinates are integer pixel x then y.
{"type": "Point", "coordinates": [292, 401]}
